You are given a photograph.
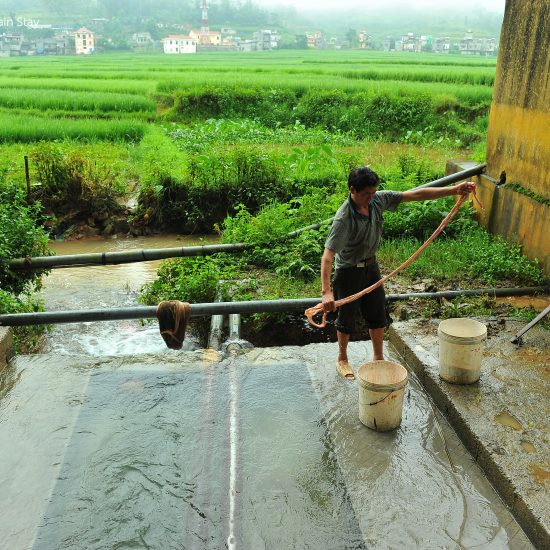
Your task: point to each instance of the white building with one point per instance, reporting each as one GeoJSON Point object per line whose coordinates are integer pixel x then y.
{"type": "Point", "coordinates": [84, 41]}
{"type": "Point", "coordinates": [266, 39]}
{"type": "Point", "coordinates": [179, 43]}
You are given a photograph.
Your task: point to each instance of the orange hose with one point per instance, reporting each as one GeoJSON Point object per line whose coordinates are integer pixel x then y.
{"type": "Point", "coordinates": [319, 307]}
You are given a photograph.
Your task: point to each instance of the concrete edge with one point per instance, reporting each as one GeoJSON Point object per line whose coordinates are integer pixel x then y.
{"type": "Point", "coordinates": [416, 359]}
{"type": "Point", "coordinates": [7, 350]}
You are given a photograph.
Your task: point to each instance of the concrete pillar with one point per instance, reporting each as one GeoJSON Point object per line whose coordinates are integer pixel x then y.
{"type": "Point", "coordinates": [518, 138]}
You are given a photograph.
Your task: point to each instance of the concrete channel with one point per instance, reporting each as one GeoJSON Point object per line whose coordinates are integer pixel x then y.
{"type": "Point", "coordinates": [262, 449]}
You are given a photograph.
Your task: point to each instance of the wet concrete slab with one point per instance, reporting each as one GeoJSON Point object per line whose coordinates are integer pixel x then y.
{"type": "Point", "coordinates": [504, 419]}
{"type": "Point", "coordinates": [259, 450]}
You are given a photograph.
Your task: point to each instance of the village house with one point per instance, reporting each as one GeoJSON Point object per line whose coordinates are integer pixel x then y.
{"type": "Point", "coordinates": [441, 45]}
{"type": "Point", "coordinates": [179, 44]}
{"type": "Point", "coordinates": [315, 40]}
{"type": "Point", "coordinates": [409, 43]}
{"type": "Point", "coordinates": [477, 46]}
{"type": "Point", "coordinates": [206, 38]}
{"type": "Point", "coordinates": [388, 44]}
{"type": "Point", "coordinates": [15, 44]}
{"type": "Point", "coordinates": [365, 40]}
{"type": "Point", "coordinates": [141, 39]}
{"type": "Point", "coordinates": [84, 41]}
{"type": "Point", "coordinates": [11, 45]}
{"type": "Point", "coordinates": [266, 39]}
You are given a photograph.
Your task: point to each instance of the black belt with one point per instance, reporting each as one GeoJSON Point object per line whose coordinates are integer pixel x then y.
{"type": "Point", "coordinates": [365, 263]}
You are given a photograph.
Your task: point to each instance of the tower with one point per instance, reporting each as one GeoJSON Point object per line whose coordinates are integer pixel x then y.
{"type": "Point", "coordinates": [204, 8]}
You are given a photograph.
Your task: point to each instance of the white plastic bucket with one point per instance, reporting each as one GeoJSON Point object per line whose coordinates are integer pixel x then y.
{"type": "Point", "coordinates": [460, 345]}
{"type": "Point", "coordinates": [381, 388]}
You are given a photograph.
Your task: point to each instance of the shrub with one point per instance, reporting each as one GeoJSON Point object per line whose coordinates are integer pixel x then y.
{"type": "Point", "coordinates": [20, 236]}
{"type": "Point", "coordinates": [69, 180]}
{"type": "Point", "coordinates": [395, 115]}
{"type": "Point", "coordinates": [26, 339]}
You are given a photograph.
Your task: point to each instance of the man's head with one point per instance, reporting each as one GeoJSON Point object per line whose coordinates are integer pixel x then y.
{"type": "Point", "coordinates": [362, 183]}
{"type": "Point", "coordinates": [362, 177]}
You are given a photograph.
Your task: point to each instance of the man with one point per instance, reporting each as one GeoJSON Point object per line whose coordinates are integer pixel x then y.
{"type": "Point", "coordinates": [353, 240]}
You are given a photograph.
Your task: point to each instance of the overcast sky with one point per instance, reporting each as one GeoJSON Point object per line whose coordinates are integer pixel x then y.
{"type": "Point", "coordinates": [489, 5]}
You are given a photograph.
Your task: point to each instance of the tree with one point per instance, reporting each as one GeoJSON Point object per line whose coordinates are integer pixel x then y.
{"type": "Point", "coordinates": [301, 42]}
{"type": "Point", "coordinates": [352, 38]}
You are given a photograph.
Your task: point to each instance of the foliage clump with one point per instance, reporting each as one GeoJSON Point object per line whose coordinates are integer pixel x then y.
{"type": "Point", "coordinates": [21, 235]}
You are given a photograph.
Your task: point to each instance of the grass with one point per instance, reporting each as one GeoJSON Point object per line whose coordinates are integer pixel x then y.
{"type": "Point", "coordinates": [28, 129]}
{"type": "Point", "coordinates": [473, 259]}
{"type": "Point", "coordinates": [63, 100]}
{"type": "Point", "coordinates": [49, 82]}
{"type": "Point", "coordinates": [129, 86]}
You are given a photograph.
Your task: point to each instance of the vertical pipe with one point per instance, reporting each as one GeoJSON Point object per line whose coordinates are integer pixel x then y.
{"type": "Point", "coordinates": [215, 336]}
{"type": "Point", "coordinates": [234, 326]}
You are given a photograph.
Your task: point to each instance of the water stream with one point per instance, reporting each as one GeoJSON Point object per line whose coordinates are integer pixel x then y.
{"type": "Point", "coordinates": [106, 287]}
{"type": "Point", "coordinates": [110, 440]}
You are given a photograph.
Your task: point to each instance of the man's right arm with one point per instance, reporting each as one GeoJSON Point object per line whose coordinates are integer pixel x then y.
{"type": "Point", "coordinates": [326, 271]}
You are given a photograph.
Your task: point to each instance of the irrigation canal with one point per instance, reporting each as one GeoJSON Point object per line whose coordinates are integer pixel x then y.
{"type": "Point", "coordinates": [109, 440]}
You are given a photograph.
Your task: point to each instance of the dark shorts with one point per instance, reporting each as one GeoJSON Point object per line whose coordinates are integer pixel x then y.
{"type": "Point", "coordinates": [372, 307]}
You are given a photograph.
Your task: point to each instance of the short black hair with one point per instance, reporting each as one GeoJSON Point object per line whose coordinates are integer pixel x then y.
{"type": "Point", "coordinates": [362, 177]}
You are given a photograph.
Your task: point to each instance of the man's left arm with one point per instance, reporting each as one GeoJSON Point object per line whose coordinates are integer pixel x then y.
{"type": "Point", "coordinates": [428, 193]}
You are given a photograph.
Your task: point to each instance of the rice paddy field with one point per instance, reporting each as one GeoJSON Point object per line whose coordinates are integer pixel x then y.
{"type": "Point", "coordinates": [192, 129]}
{"type": "Point", "coordinates": [72, 91]}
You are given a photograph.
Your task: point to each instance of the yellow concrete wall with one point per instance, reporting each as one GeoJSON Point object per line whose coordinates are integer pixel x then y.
{"type": "Point", "coordinates": [518, 218]}
{"type": "Point", "coordinates": [518, 138]}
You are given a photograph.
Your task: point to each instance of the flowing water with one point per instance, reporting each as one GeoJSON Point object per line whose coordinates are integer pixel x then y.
{"type": "Point", "coordinates": [106, 287]}
{"type": "Point", "coordinates": [112, 441]}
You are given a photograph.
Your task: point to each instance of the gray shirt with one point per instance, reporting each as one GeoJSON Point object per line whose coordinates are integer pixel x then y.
{"type": "Point", "coordinates": [356, 237]}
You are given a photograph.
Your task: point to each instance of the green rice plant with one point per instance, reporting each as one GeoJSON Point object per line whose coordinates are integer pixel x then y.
{"type": "Point", "coordinates": [53, 114]}
{"type": "Point", "coordinates": [301, 83]}
{"type": "Point", "coordinates": [27, 129]}
{"type": "Point", "coordinates": [114, 85]}
{"type": "Point", "coordinates": [74, 100]}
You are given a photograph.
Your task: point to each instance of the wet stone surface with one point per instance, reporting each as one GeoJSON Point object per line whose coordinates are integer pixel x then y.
{"type": "Point", "coordinates": [504, 418]}
{"type": "Point", "coordinates": [260, 450]}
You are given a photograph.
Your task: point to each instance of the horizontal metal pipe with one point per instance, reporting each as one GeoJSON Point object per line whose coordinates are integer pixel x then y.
{"type": "Point", "coordinates": [456, 177]}
{"type": "Point", "coordinates": [140, 255]}
{"type": "Point", "coordinates": [227, 308]}
{"type": "Point", "coordinates": [146, 255]}
{"type": "Point", "coordinates": [122, 257]}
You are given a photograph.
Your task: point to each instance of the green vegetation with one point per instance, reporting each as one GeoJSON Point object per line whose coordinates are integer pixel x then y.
{"type": "Point", "coordinates": [465, 257]}
{"type": "Point", "coordinates": [21, 235]}
{"type": "Point", "coordinates": [73, 100]}
{"type": "Point", "coordinates": [520, 189]}
{"type": "Point", "coordinates": [27, 129]}
{"type": "Point", "coordinates": [70, 180]}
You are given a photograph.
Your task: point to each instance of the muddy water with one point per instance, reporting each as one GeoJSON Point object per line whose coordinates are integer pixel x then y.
{"type": "Point", "coordinates": [108, 287]}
